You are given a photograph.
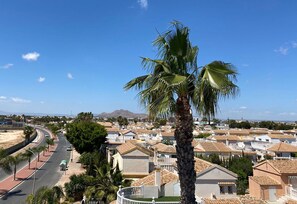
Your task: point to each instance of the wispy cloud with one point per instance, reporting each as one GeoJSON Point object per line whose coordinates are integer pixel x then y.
{"type": "Point", "coordinates": [143, 4]}
{"type": "Point", "coordinates": [6, 66]}
{"type": "Point", "coordinates": [31, 56]}
{"type": "Point", "coordinates": [3, 98]}
{"type": "Point", "coordinates": [20, 100]}
{"type": "Point", "coordinates": [69, 76]}
{"type": "Point", "coordinates": [41, 79]}
{"type": "Point", "coordinates": [244, 65]}
{"type": "Point", "coordinates": [284, 49]}
{"type": "Point", "coordinates": [243, 107]}
{"type": "Point", "coordinates": [288, 113]}
{"type": "Point", "coordinates": [42, 102]}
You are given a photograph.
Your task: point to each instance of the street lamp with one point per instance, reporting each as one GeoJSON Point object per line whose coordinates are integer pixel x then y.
{"type": "Point", "coordinates": [34, 177]}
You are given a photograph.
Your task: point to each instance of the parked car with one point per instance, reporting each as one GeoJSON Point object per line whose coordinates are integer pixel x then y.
{"type": "Point", "coordinates": [69, 148]}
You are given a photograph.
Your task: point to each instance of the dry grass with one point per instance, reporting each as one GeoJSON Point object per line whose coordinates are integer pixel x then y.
{"type": "Point", "coordinates": [11, 137]}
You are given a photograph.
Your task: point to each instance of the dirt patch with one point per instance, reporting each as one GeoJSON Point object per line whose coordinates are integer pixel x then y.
{"type": "Point", "coordinates": [11, 137]}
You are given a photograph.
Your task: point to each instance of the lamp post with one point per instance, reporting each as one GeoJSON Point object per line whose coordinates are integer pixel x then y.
{"type": "Point", "coordinates": [34, 177]}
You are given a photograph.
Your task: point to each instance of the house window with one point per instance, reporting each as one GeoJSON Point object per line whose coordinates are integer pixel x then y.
{"type": "Point", "coordinates": [230, 190]}
{"type": "Point", "coordinates": [222, 190]}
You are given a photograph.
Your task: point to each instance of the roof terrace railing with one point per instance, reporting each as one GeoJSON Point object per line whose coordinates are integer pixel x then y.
{"type": "Point", "coordinates": [128, 194]}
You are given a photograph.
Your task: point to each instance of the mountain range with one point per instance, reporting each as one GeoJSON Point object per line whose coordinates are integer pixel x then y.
{"type": "Point", "coordinates": [123, 113]}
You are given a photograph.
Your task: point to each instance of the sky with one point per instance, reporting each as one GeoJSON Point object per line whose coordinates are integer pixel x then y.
{"type": "Point", "coordinates": [66, 57]}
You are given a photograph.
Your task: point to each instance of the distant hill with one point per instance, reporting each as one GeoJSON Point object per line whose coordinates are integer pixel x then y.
{"type": "Point", "coordinates": [123, 113]}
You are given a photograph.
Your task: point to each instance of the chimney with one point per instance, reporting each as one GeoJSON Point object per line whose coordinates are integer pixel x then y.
{"type": "Point", "coordinates": [155, 156]}
{"type": "Point", "coordinates": [158, 176]}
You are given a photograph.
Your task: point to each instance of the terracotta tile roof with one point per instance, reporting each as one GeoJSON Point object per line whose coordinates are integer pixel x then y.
{"type": "Point", "coordinates": [131, 145]}
{"type": "Point", "coordinates": [112, 130]}
{"type": "Point", "coordinates": [246, 199]}
{"type": "Point", "coordinates": [127, 131]}
{"type": "Point", "coordinates": [222, 201]}
{"type": "Point", "coordinates": [145, 131]}
{"type": "Point", "coordinates": [160, 147]}
{"type": "Point", "coordinates": [195, 143]}
{"type": "Point", "coordinates": [291, 202]}
{"type": "Point", "coordinates": [167, 134]}
{"type": "Point", "coordinates": [265, 180]}
{"type": "Point", "coordinates": [258, 132]}
{"type": "Point", "coordinates": [281, 136]}
{"type": "Point", "coordinates": [212, 147]}
{"type": "Point", "coordinates": [275, 132]}
{"type": "Point", "coordinates": [201, 165]}
{"type": "Point", "coordinates": [105, 124]}
{"type": "Point", "coordinates": [221, 132]}
{"type": "Point", "coordinates": [226, 137]}
{"type": "Point", "coordinates": [282, 147]}
{"type": "Point", "coordinates": [166, 177]}
{"type": "Point", "coordinates": [239, 132]}
{"type": "Point", "coordinates": [284, 166]}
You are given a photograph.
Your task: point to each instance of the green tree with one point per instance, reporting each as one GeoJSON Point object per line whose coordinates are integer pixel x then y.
{"type": "Point", "coordinates": [4, 161]}
{"type": "Point", "coordinates": [86, 136]}
{"type": "Point", "coordinates": [84, 116]}
{"type": "Point", "coordinates": [174, 83]}
{"type": "Point", "coordinates": [243, 167]}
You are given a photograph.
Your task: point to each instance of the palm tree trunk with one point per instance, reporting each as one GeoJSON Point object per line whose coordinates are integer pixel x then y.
{"type": "Point", "coordinates": [14, 172]}
{"type": "Point", "coordinates": [184, 149]}
{"type": "Point", "coordinates": [29, 161]}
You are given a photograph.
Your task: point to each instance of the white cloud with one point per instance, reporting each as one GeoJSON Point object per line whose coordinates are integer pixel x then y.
{"type": "Point", "coordinates": [143, 3]}
{"type": "Point", "coordinates": [3, 98]}
{"type": "Point", "coordinates": [20, 100]}
{"type": "Point", "coordinates": [7, 66]}
{"type": "Point", "coordinates": [282, 50]}
{"type": "Point", "coordinates": [294, 44]}
{"type": "Point", "coordinates": [42, 102]}
{"type": "Point", "coordinates": [69, 76]}
{"type": "Point", "coordinates": [31, 56]}
{"type": "Point", "coordinates": [243, 107]}
{"type": "Point", "coordinates": [41, 79]}
{"type": "Point", "coordinates": [288, 113]}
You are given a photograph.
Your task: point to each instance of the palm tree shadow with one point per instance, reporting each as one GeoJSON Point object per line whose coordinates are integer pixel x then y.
{"type": "Point", "coordinates": [13, 193]}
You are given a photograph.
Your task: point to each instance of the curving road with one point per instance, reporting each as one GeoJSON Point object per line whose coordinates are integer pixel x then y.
{"type": "Point", "coordinates": [48, 175]}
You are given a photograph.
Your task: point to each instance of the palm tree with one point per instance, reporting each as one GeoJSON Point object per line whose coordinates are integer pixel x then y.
{"type": "Point", "coordinates": [15, 160]}
{"type": "Point", "coordinates": [28, 155]}
{"type": "Point", "coordinates": [46, 195]}
{"type": "Point", "coordinates": [28, 131]}
{"type": "Point", "coordinates": [38, 150]}
{"type": "Point", "coordinates": [49, 141]}
{"type": "Point", "coordinates": [4, 161]}
{"type": "Point", "coordinates": [174, 85]}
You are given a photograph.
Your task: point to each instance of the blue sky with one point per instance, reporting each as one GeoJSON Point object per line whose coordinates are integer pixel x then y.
{"type": "Point", "coordinates": [63, 56]}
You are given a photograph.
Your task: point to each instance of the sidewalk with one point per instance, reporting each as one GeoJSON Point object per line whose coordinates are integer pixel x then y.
{"type": "Point", "coordinates": [23, 174]}
{"type": "Point", "coordinates": [73, 168]}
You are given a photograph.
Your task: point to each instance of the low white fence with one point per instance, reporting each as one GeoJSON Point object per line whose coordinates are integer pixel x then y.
{"type": "Point", "coordinates": [126, 195]}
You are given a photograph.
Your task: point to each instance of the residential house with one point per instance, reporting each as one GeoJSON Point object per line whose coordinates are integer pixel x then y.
{"type": "Point", "coordinates": [126, 135]}
{"type": "Point", "coordinates": [211, 180]}
{"type": "Point", "coordinates": [133, 159]}
{"type": "Point", "coordinates": [283, 150]}
{"type": "Point", "coordinates": [208, 148]}
{"type": "Point", "coordinates": [214, 180]}
{"type": "Point", "coordinates": [273, 179]}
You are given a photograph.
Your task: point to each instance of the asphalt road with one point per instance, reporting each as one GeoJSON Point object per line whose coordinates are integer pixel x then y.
{"type": "Point", "coordinates": [48, 175]}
